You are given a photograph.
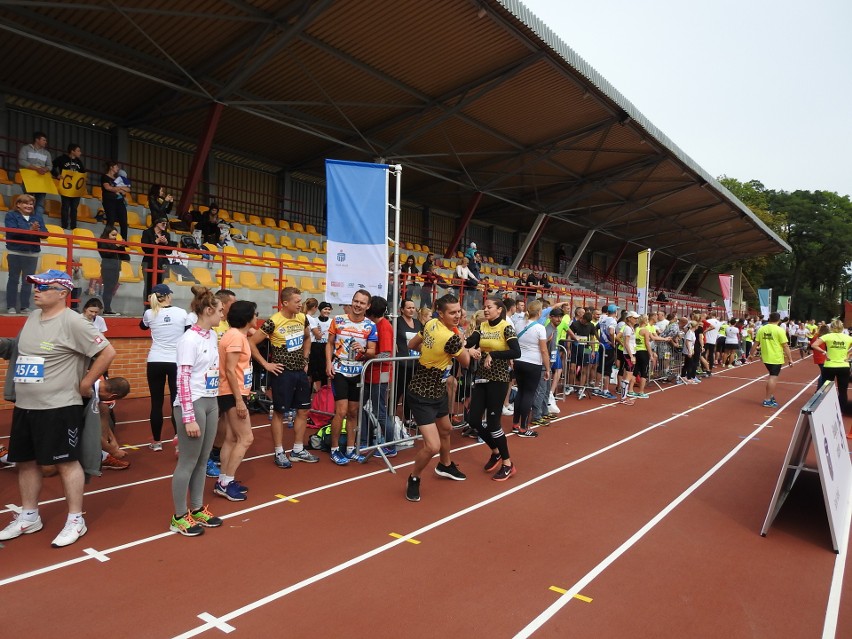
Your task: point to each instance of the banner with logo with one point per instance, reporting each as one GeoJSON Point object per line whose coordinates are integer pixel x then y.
{"type": "Point", "coordinates": [642, 277]}
{"type": "Point", "coordinates": [764, 297]}
{"type": "Point", "coordinates": [357, 229]}
{"type": "Point", "coordinates": [784, 305]}
{"type": "Point", "coordinates": [726, 285]}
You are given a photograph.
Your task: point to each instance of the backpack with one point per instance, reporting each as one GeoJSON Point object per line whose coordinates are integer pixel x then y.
{"type": "Point", "coordinates": [189, 242]}
{"type": "Point", "coordinates": [322, 407]}
{"type": "Point", "coordinates": [322, 439]}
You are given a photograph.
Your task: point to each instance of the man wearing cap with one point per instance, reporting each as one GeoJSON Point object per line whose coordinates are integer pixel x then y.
{"type": "Point", "coordinates": [157, 235]}
{"type": "Point", "coordinates": [55, 347]}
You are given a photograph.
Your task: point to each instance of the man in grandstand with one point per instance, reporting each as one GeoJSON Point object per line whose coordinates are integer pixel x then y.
{"type": "Point", "coordinates": [289, 336]}
{"type": "Point", "coordinates": [352, 340]}
{"type": "Point", "coordinates": [774, 350]}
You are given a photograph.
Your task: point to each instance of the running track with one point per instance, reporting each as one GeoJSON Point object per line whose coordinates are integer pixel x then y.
{"type": "Point", "coordinates": [649, 514]}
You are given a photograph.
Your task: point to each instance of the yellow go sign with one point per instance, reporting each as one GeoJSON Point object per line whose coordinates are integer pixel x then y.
{"type": "Point", "coordinates": [72, 184]}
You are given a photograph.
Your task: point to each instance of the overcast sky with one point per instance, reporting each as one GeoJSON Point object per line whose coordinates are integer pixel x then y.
{"type": "Point", "coordinates": [753, 89]}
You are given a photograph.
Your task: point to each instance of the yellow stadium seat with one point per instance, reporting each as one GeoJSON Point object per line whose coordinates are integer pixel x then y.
{"type": "Point", "coordinates": [270, 222]}
{"type": "Point", "coordinates": [249, 280]}
{"type": "Point", "coordinates": [89, 242]}
{"type": "Point", "coordinates": [255, 220]}
{"type": "Point", "coordinates": [269, 281]}
{"type": "Point", "coordinates": [425, 248]}
{"type": "Point", "coordinates": [129, 198]}
{"type": "Point", "coordinates": [97, 193]}
{"type": "Point", "coordinates": [53, 261]}
{"type": "Point", "coordinates": [4, 263]}
{"type": "Point", "coordinates": [319, 263]}
{"type": "Point", "coordinates": [316, 247]}
{"type": "Point", "coordinates": [238, 217]}
{"type": "Point", "coordinates": [254, 238]}
{"type": "Point", "coordinates": [53, 208]}
{"type": "Point", "coordinates": [269, 258]}
{"type": "Point", "coordinates": [417, 247]}
{"type": "Point", "coordinates": [233, 254]}
{"type": "Point", "coordinates": [134, 221]}
{"type": "Point", "coordinates": [310, 228]}
{"type": "Point", "coordinates": [55, 241]}
{"type": "Point", "coordinates": [3, 206]}
{"type": "Point", "coordinates": [270, 240]}
{"type": "Point", "coordinates": [18, 178]}
{"type": "Point", "coordinates": [91, 268]}
{"type": "Point", "coordinates": [287, 242]}
{"type": "Point", "coordinates": [142, 199]}
{"type": "Point", "coordinates": [84, 213]}
{"type": "Point", "coordinates": [301, 245]}
{"type": "Point", "coordinates": [309, 285]}
{"type": "Point", "coordinates": [284, 225]}
{"type": "Point", "coordinates": [288, 260]}
{"type": "Point", "coordinates": [252, 257]}
{"type": "Point", "coordinates": [4, 177]}
{"type": "Point", "coordinates": [205, 276]}
{"type": "Point", "coordinates": [137, 238]}
{"type": "Point", "coordinates": [127, 274]}
{"type": "Point", "coordinates": [297, 227]}
{"type": "Point", "coordinates": [303, 262]}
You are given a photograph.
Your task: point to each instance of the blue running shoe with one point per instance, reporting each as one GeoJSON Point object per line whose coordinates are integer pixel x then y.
{"type": "Point", "coordinates": [354, 456]}
{"type": "Point", "coordinates": [339, 458]}
{"type": "Point", "coordinates": [230, 492]}
{"type": "Point", "coordinates": [212, 469]}
{"type": "Point", "coordinates": [767, 403]}
{"type": "Point", "coordinates": [390, 451]}
{"type": "Point", "coordinates": [281, 460]}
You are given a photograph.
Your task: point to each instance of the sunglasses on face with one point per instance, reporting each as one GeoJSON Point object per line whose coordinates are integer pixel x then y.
{"type": "Point", "coordinates": [47, 287]}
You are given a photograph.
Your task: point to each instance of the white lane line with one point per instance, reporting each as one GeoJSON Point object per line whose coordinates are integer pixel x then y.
{"type": "Point", "coordinates": [97, 555]}
{"type": "Point", "coordinates": [590, 576]}
{"type": "Point", "coordinates": [832, 608]}
{"type": "Point", "coordinates": [132, 544]}
{"type": "Point", "coordinates": [421, 531]}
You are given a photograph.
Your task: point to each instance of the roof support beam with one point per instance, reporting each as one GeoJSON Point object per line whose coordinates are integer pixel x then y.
{"type": "Point", "coordinates": [463, 224]}
{"type": "Point", "coordinates": [201, 152]}
{"type": "Point", "coordinates": [580, 249]}
{"type": "Point", "coordinates": [616, 259]}
{"type": "Point", "coordinates": [532, 238]}
{"type": "Point", "coordinates": [686, 278]}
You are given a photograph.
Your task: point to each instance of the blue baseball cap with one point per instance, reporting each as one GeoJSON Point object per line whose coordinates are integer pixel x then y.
{"type": "Point", "coordinates": [52, 277]}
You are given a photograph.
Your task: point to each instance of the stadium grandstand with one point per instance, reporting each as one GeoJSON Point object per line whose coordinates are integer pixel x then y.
{"type": "Point", "coordinates": [507, 138]}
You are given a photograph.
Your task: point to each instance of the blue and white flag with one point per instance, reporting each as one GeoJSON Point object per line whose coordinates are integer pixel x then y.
{"type": "Point", "coordinates": [764, 296]}
{"type": "Point", "coordinates": [357, 229]}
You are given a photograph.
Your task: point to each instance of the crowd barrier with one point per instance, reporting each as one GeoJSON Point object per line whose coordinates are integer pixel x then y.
{"type": "Point", "coordinates": [668, 364]}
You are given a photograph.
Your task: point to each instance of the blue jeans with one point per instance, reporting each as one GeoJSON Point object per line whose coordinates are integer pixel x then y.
{"type": "Point", "coordinates": [20, 266]}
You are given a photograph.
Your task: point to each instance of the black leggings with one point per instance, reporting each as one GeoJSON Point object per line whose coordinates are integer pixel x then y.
{"type": "Point", "coordinates": [487, 401]}
{"type": "Point", "coordinates": [158, 374]}
{"type": "Point", "coordinates": [528, 376]}
{"type": "Point", "coordinates": [840, 376]}
{"type": "Point", "coordinates": [690, 364]}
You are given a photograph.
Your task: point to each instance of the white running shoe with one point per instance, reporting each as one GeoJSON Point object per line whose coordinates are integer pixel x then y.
{"type": "Point", "coordinates": [509, 410]}
{"type": "Point", "coordinates": [19, 526]}
{"type": "Point", "coordinates": [72, 532]}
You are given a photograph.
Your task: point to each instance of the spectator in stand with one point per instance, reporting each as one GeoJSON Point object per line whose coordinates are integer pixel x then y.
{"type": "Point", "coordinates": [470, 251]}
{"type": "Point", "coordinates": [37, 158]}
{"type": "Point", "coordinates": [467, 283]}
{"type": "Point", "coordinates": [23, 251]}
{"type": "Point", "coordinates": [153, 266]}
{"type": "Point", "coordinates": [115, 206]}
{"type": "Point", "coordinates": [475, 265]}
{"type": "Point", "coordinates": [545, 282]}
{"type": "Point", "coordinates": [408, 279]}
{"type": "Point", "coordinates": [112, 254]}
{"type": "Point", "coordinates": [70, 161]}
{"type": "Point", "coordinates": [159, 202]}
{"type": "Point", "coordinates": [430, 281]}
{"type": "Point", "coordinates": [209, 226]}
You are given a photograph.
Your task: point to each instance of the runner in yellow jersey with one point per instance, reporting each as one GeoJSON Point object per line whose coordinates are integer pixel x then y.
{"type": "Point", "coordinates": [773, 349]}
{"type": "Point", "coordinates": [838, 351]}
{"type": "Point", "coordinates": [439, 342]}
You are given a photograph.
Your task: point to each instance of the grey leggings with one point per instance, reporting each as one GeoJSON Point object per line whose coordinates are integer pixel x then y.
{"type": "Point", "coordinates": [194, 451]}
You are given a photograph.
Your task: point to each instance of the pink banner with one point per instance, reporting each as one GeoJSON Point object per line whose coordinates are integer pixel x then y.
{"type": "Point", "coordinates": [726, 283]}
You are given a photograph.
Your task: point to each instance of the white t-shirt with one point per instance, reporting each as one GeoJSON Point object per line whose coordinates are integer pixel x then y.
{"type": "Point", "coordinates": [732, 335]}
{"type": "Point", "coordinates": [313, 323]}
{"type": "Point", "coordinates": [629, 339]}
{"type": "Point", "coordinates": [530, 341]}
{"type": "Point", "coordinates": [519, 320]}
{"type": "Point", "coordinates": [100, 324]}
{"type": "Point", "coordinates": [324, 328]}
{"type": "Point", "coordinates": [167, 327]}
{"type": "Point", "coordinates": [712, 334]}
{"type": "Point", "coordinates": [662, 325]}
{"type": "Point", "coordinates": [202, 353]}
{"type": "Point", "coordinates": [688, 342]}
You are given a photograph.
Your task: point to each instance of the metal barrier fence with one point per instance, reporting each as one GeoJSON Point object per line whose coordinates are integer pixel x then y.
{"type": "Point", "coordinates": [667, 367]}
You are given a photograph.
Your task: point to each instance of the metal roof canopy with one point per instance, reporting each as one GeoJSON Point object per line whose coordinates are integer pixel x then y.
{"type": "Point", "coordinates": [469, 95]}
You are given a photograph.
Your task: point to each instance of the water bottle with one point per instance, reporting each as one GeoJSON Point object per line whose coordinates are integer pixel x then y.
{"type": "Point", "coordinates": [271, 412]}
{"type": "Point", "coordinates": [290, 416]}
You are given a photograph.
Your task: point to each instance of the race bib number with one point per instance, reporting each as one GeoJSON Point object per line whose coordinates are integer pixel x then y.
{"type": "Point", "coordinates": [446, 374]}
{"type": "Point", "coordinates": [295, 343]}
{"type": "Point", "coordinates": [29, 370]}
{"type": "Point", "coordinates": [413, 353]}
{"type": "Point", "coordinates": [211, 382]}
{"type": "Point", "coordinates": [248, 377]}
{"type": "Point", "coordinates": [350, 370]}
{"type": "Point", "coordinates": [553, 356]}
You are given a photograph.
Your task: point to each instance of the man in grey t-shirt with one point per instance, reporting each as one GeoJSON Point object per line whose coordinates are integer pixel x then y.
{"type": "Point", "coordinates": [52, 373]}
{"type": "Point", "coordinates": [36, 157]}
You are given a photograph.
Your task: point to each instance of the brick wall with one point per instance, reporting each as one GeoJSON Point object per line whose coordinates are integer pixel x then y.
{"type": "Point", "coordinates": [129, 362]}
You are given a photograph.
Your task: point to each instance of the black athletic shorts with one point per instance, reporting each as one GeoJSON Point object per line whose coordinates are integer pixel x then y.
{"type": "Point", "coordinates": [227, 402]}
{"type": "Point", "coordinates": [643, 364]}
{"type": "Point", "coordinates": [626, 364]}
{"type": "Point", "coordinates": [291, 390]}
{"type": "Point", "coordinates": [731, 347]}
{"type": "Point", "coordinates": [774, 369]}
{"type": "Point", "coordinates": [425, 410]}
{"type": "Point", "coordinates": [348, 388]}
{"type": "Point", "coordinates": [50, 436]}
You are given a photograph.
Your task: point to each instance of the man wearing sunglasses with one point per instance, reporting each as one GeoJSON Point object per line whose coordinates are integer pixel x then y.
{"type": "Point", "coordinates": [55, 347]}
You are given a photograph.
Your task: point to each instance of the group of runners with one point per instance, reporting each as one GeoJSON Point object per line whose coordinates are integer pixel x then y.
{"type": "Point", "coordinates": [205, 355]}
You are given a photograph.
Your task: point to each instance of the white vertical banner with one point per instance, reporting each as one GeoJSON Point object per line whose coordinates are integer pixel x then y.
{"type": "Point", "coordinates": [643, 276]}
{"type": "Point", "coordinates": [357, 229]}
